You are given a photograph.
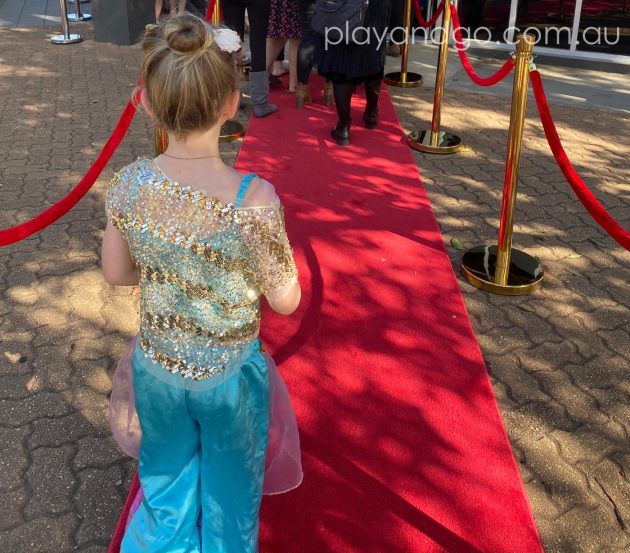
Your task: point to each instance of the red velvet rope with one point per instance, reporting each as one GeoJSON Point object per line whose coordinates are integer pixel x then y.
{"type": "Point", "coordinates": [121, 525]}
{"type": "Point", "coordinates": [503, 71]}
{"type": "Point", "coordinates": [210, 9]}
{"type": "Point", "coordinates": [434, 17]}
{"type": "Point", "coordinates": [592, 205]}
{"type": "Point", "coordinates": [53, 213]}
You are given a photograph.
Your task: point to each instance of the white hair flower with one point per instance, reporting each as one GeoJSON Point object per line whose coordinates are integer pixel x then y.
{"type": "Point", "coordinates": [227, 39]}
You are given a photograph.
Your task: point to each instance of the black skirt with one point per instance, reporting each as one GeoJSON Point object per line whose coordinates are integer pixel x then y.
{"type": "Point", "coordinates": [357, 63]}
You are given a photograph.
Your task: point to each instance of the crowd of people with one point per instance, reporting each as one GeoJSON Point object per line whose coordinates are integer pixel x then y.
{"type": "Point", "coordinates": [345, 66]}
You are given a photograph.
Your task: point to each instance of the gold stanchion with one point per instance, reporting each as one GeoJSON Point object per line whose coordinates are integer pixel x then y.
{"type": "Point", "coordinates": [502, 269]}
{"type": "Point", "coordinates": [231, 130]}
{"type": "Point", "coordinates": [436, 141]}
{"type": "Point", "coordinates": [404, 78]}
{"type": "Point", "coordinates": [160, 141]}
{"type": "Point", "coordinates": [244, 69]}
{"type": "Point", "coordinates": [216, 14]}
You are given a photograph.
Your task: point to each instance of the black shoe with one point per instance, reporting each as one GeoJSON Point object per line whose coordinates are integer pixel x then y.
{"type": "Point", "coordinates": [370, 118]}
{"type": "Point", "coordinates": [274, 81]}
{"type": "Point", "coordinates": [372, 92]}
{"type": "Point", "coordinates": [341, 133]}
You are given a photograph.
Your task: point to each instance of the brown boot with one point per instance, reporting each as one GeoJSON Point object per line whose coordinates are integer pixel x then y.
{"type": "Point", "coordinates": [302, 96]}
{"type": "Point", "coordinates": [329, 97]}
{"type": "Point", "coordinates": [394, 50]}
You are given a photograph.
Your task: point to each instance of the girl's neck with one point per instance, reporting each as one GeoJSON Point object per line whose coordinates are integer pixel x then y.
{"type": "Point", "coordinates": [198, 145]}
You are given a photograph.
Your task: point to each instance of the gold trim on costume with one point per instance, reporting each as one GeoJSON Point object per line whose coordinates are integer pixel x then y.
{"type": "Point", "coordinates": [177, 322]}
{"type": "Point", "coordinates": [178, 366]}
{"type": "Point", "coordinates": [193, 291]}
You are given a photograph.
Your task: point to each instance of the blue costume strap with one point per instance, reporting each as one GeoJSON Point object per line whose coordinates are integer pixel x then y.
{"type": "Point", "coordinates": [243, 189]}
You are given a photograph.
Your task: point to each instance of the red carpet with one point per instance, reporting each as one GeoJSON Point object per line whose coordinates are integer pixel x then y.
{"type": "Point", "coordinates": [403, 445]}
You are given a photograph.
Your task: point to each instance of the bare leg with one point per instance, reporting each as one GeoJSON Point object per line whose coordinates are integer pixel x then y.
{"type": "Point", "coordinates": [294, 44]}
{"type": "Point", "coordinates": [181, 7]}
{"type": "Point", "coordinates": [158, 10]}
{"type": "Point", "coordinates": [278, 68]}
{"type": "Point", "coordinates": [274, 45]}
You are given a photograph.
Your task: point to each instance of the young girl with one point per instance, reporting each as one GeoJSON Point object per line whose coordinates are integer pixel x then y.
{"type": "Point", "coordinates": [204, 243]}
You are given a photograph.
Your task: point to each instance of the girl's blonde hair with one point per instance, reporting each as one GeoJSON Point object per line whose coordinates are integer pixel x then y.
{"type": "Point", "coordinates": [187, 76]}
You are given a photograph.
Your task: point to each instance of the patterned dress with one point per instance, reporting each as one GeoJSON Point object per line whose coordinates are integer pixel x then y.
{"type": "Point", "coordinates": [196, 378]}
{"type": "Point", "coordinates": [284, 19]}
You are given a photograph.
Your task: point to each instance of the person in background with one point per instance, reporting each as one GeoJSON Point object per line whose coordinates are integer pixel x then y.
{"type": "Point", "coordinates": [349, 64]}
{"type": "Point", "coordinates": [306, 58]}
{"type": "Point", "coordinates": [284, 25]}
{"type": "Point", "coordinates": [396, 21]}
{"type": "Point", "coordinates": [277, 70]}
{"type": "Point", "coordinates": [258, 15]}
{"type": "Point", "coordinates": [159, 4]}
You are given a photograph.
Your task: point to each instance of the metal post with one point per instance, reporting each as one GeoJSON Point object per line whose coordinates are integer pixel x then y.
{"type": "Point", "coordinates": [216, 13]}
{"type": "Point", "coordinates": [403, 78]}
{"type": "Point", "coordinates": [66, 37]}
{"type": "Point", "coordinates": [502, 269]}
{"type": "Point", "coordinates": [524, 48]}
{"type": "Point", "coordinates": [160, 141]}
{"type": "Point", "coordinates": [77, 15]}
{"type": "Point", "coordinates": [436, 141]}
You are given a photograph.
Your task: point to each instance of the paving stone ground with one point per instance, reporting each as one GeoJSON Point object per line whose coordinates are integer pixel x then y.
{"type": "Point", "coordinates": [558, 359]}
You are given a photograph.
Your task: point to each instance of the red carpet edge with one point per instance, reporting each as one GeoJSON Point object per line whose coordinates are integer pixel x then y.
{"type": "Point", "coordinates": [404, 448]}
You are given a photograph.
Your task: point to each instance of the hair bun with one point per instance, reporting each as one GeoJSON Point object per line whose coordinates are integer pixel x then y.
{"type": "Point", "coordinates": [185, 34]}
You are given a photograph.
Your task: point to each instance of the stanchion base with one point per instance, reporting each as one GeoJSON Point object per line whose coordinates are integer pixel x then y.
{"type": "Point", "coordinates": [71, 39]}
{"type": "Point", "coordinates": [525, 276]}
{"type": "Point", "coordinates": [72, 17]}
{"type": "Point", "coordinates": [411, 80]}
{"type": "Point", "coordinates": [230, 131]}
{"type": "Point", "coordinates": [447, 143]}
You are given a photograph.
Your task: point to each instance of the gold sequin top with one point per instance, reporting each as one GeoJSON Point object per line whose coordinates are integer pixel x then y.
{"type": "Point", "coordinates": [203, 266]}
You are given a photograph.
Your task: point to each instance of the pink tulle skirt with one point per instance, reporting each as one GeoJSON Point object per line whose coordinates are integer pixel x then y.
{"type": "Point", "coordinates": [283, 465]}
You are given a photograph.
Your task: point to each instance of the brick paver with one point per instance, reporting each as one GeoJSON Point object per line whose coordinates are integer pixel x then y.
{"type": "Point", "coordinates": [558, 359]}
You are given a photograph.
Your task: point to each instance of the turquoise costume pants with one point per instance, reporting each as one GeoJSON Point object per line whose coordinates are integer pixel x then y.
{"type": "Point", "coordinates": [202, 458]}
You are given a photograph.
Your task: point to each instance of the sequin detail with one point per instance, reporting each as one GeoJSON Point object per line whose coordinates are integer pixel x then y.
{"type": "Point", "coordinates": [202, 264]}
{"type": "Point", "coordinates": [193, 291]}
{"type": "Point", "coordinates": [179, 366]}
{"type": "Point", "coordinates": [177, 322]}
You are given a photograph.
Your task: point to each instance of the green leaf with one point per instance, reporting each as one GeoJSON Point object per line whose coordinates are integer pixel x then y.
{"type": "Point", "coordinates": [576, 273]}
{"type": "Point", "coordinates": [575, 255]}
{"type": "Point", "coordinates": [457, 243]}
{"type": "Point", "coordinates": [526, 307]}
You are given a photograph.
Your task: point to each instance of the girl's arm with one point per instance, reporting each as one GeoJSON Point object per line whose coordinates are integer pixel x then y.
{"type": "Point", "coordinates": [276, 271]}
{"type": "Point", "coordinates": [118, 266]}
{"type": "Point", "coordinates": [288, 302]}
